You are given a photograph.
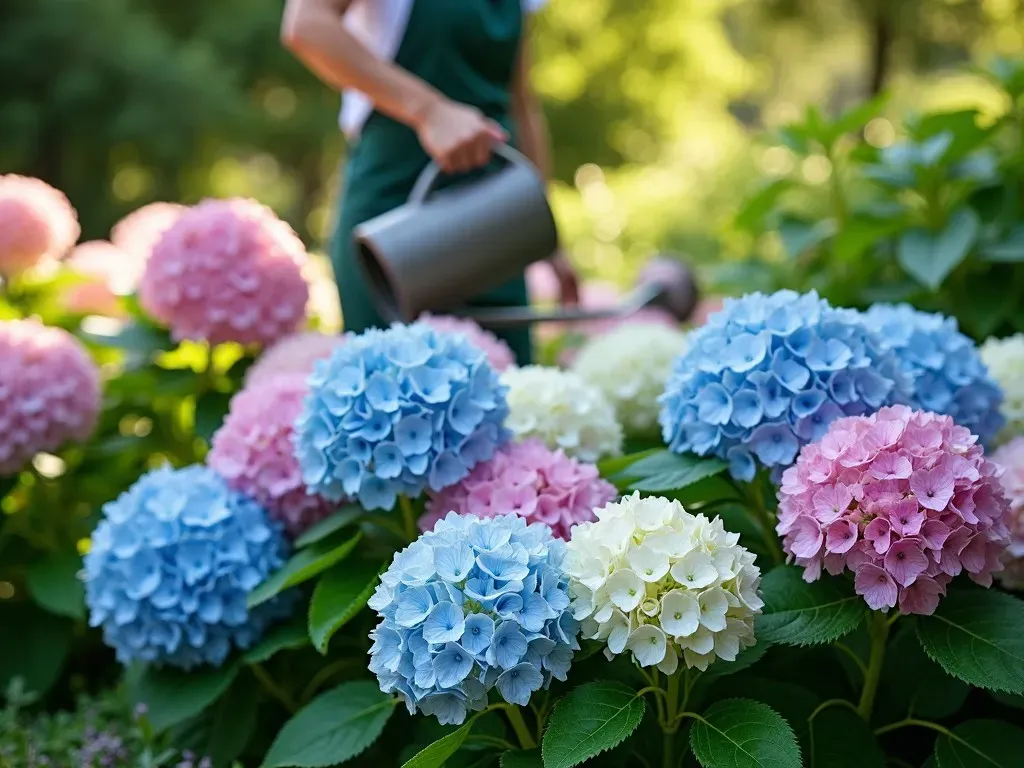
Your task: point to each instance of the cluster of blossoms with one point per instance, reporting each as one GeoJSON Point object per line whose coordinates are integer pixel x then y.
{"type": "Point", "coordinates": [530, 480]}
{"type": "Point", "coordinates": [945, 367]}
{"type": "Point", "coordinates": [652, 579]}
{"type": "Point", "coordinates": [227, 270]}
{"type": "Point", "coordinates": [49, 392]}
{"type": "Point", "coordinates": [768, 374]}
{"type": "Point", "coordinates": [396, 411]}
{"type": "Point", "coordinates": [1005, 361]}
{"type": "Point", "coordinates": [499, 354]}
{"type": "Point", "coordinates": [98, 262]}
{"type": "Point", "coordinates": [479, 603]}
{"type": "Point", "coordinates": [295, 354]}
{"type": "Point", "coordinates": [36, 222]}
{"type": "Point", "coordinates": [561, 410]}
{"type": "Point", "coordinates": [139, 231]}
{"type": "Point", "coordinates": [1011, 458]}
{"type": "Point", "coordinates": [253, 452]}
{"type": "Point", "coordinates": [630, 365]}
{"type": "Point", "coordinates": [904, 499]}
{"type": "Point", "coordinates": [171, 564]}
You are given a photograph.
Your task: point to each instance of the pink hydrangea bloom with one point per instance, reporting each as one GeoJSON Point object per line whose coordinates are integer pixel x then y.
{"type": "Point", "coordinates": [36, 222]}
{"type": "Point", "coordinates": [531, 481]}
{"type": "Point", "coordinates": [1011, 458]}
{"type": "Point", "coordinates": [227, 270]}
{"type": "Point", "coordinates": [135, 236]}
{"type": "Point", "coordinates": [252, 451]}
{"type": "Point", "coordinates": [904, 499]}
{"type": "Point", "coordinates": [292, 354]}
{"type": "Point", "coordinates": [541, 283]}
{"type": "Point", "coordinates": [92, 297]}
{"type": "Point", "coordinates": [499, 354]}
{"type": "Point", "coordinates": [49, 391]}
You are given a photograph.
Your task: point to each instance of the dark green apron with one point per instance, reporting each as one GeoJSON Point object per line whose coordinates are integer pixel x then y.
{"type": "Point", "coordinates": [467, 50]}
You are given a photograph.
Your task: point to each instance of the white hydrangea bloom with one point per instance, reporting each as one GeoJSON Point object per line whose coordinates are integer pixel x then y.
{"type": "Point", "coordinates": [1004, 359]}
{"type": "Point", "coordinates": [563, 411]}
{"type": "Point", "coordinates": [630, 365]}
{"type": "Point", "coordinates": [650, 578]}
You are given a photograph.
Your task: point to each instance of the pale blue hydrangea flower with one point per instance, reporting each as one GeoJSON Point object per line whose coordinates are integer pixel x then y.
{"type": "Point", "coordinates": [768, 374]}
{"type": "Point", "coordinates": [171, 564]}
{"type": "Point", "coordinates": [396, 411]}
{"type": "Point", "coordinates": [479, 603]}
{"type": "Point", "coordinates": [948, 374]}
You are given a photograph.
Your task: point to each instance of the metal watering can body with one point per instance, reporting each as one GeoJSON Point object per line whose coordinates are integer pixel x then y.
{"type": "Point", "coordinates": [440, 249]}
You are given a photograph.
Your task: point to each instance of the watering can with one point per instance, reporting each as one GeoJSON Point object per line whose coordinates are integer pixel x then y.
{"type": "Point", "coordinates": [442, 248]}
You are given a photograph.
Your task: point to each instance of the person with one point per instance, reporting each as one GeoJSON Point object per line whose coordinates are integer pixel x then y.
{"type": "Point", "coordinates": [421, 80]}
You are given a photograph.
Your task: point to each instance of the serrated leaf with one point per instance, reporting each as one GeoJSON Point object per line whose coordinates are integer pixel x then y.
{"type": "Point", "coordinates": [222, 731]}
{"type": "Point", "coordinates": [930, 257]}
{"type": "Point", "coordinates": [981, 744]}
{"type": "Point", "coordinates": [529, 758]}
{"type": "Point", "coordinates": [842, 739]}
{"type": "Point", "coordinates": [798, 613]}
{"type": "Point", "coordinates": [667, 471]}
{"type": "Point", "coordinates": [172, 696]}
{"type": "Point", "coordinates": [592, 719]}
{"type": "Point", "coordinates": [303, 566]}
{"type": "Point", "coordinates": [277, 639]}
{"type": "Point", "coordinates": [740, 733]}
{"type": "Point", "coordinates": [911, 682]}
{"type": "Point", "coordinates": [978, 637]}
{"type": "Point", "coordinates": [339, 595]}
{"type": "Point", "coordinates": [334, 727]}
{"type": "Point", "coordinates": [752, 214]}
{"type": "Point", "coordinates": [211, 408]}
{"type": "Point", "coordinates": [54, 584]}
{"type": "Point", "coordinates": [799, 236]}
{"type": "Point", "coordinates": [345, 516]}
{"type": "Point", "coordinates": [34, 645]}
{"type": "Point", "coordinates": [435, 755]}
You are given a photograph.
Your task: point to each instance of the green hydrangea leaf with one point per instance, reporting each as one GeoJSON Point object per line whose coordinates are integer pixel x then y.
{"type": "Point", "coordinates": [842, 739]}
{"type": "Point", "coordinates": [798, 613]}
{"type": "Point", "coordinates": [740, 733]}
{"type": "Point", "coordinates": [339, 595]}
{"type": "Point", "coordinates": [978, 636]}
{"type": "Point", "coordinates": [981, 744]}
{"type": "Point", "coordinates": [435, 755]}
{"type": "Point", "coordinates": [303, 566]}
{"type": "Point", "coordinates": [592, 719]}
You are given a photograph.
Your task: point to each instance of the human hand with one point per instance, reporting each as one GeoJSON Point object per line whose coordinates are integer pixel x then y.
{"type": "Point", "coordinates": [457, 137]}
{"type": "Point", "coordinates": [568, 280]}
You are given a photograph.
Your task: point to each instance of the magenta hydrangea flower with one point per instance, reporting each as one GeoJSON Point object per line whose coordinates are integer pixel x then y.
{"type": "Point", "coordinates": [904, 499]}
{"type": "Point", "coordinates": [36, 222]}
{"type": "Point", "coordinates": [49, 391]}
{"type": "Point", "coordinates": [252, 451]}
{"type": "Point", "coordinates": [529, 480]}
{"type": "Point", "coordinates": [292, 354]}
{"type": "Point", "coordinates": [1011, 458]}
{"type": "Point", "coordinates": [227, 270]}
{"type": "Point", "coordinates": [499, 354]}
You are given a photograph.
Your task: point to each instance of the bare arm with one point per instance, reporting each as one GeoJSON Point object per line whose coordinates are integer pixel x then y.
{"type": "Point", "coordinates": [458, 137]}
{"type": "Point", "coordinates": [535, 143]}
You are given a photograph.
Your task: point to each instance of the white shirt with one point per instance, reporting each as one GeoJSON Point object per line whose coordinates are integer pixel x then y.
{"type": "Point", "coordinates": [380, 26]}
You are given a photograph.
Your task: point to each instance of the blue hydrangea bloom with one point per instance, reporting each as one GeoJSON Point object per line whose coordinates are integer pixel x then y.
{"type": "Point", "coordinates": [479, 603]}
{"type": "Point", "coordinates": [396, 411]}
{"type": "Point", "coordinates": [946, 368]}
{"type": "Point", "coordinates": [171, 564]}
{"type": "Point", "coordinates": [768, 374]}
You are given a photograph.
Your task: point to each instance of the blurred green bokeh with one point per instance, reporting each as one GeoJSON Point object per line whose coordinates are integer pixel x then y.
{"type": "Point", "coordinates": [655, 106]}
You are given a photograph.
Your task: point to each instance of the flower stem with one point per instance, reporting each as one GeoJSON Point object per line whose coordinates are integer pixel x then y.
{"type": "Point", "coordinates": [271, 687]}
{"type": "Point", "coordinates": [919, 723]}
{"type": "Point", "coordinates": [670, 727]}
{"type": "Point", "coordinates": [515, 717]}
{"type": "Point", "coordinates": [767, 525]}
{"type": "Point", "coordinates": [408, 517]}
{"type": "Point", "coordinates": [878, 628]}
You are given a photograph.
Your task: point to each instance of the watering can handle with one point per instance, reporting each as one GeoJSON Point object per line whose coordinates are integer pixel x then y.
{"type": "Point", "coordinates": [432, 173]}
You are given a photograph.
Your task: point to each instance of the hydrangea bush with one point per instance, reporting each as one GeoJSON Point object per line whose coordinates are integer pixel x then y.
{"type": "Point", "coordinates": [526, 479]}
{"type": "Point", "coordinates": [948, 374]}
{"type": "Point", "coordinates": [171, 564]}
{"type": "Point", "coordinates": [253, 452]}
{"type": "Point", "coordinates": [630, 365]}
{"type": "Point", "coordinates": [227, 270]}
{"type": "Point", "coordinates": [477, 604]}
{"type": "Point", "coordinates": [651, 579]}
{"type": "Point", "coordinates": [1011, 458]}
{"type": "Point", "coordinates": [1005, 361]}
{"type": "Point", "coordinates": [49, 391]}
{"type": "Point", "coordinates": [398, 411]}
{"type": "Point", "coordinates": [769, 374]}
{"type": "Point", "coordinates": [904, 499]}
{"type": "Point", "coordinates": [563, 411]}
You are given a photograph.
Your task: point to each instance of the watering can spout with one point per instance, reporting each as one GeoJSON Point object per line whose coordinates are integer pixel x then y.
{"type": "Point", "coordinates": [440, 249]}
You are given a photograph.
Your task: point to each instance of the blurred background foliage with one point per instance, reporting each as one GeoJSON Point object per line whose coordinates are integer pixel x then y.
{"type": "Point", "coordinates": [657, 108]}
